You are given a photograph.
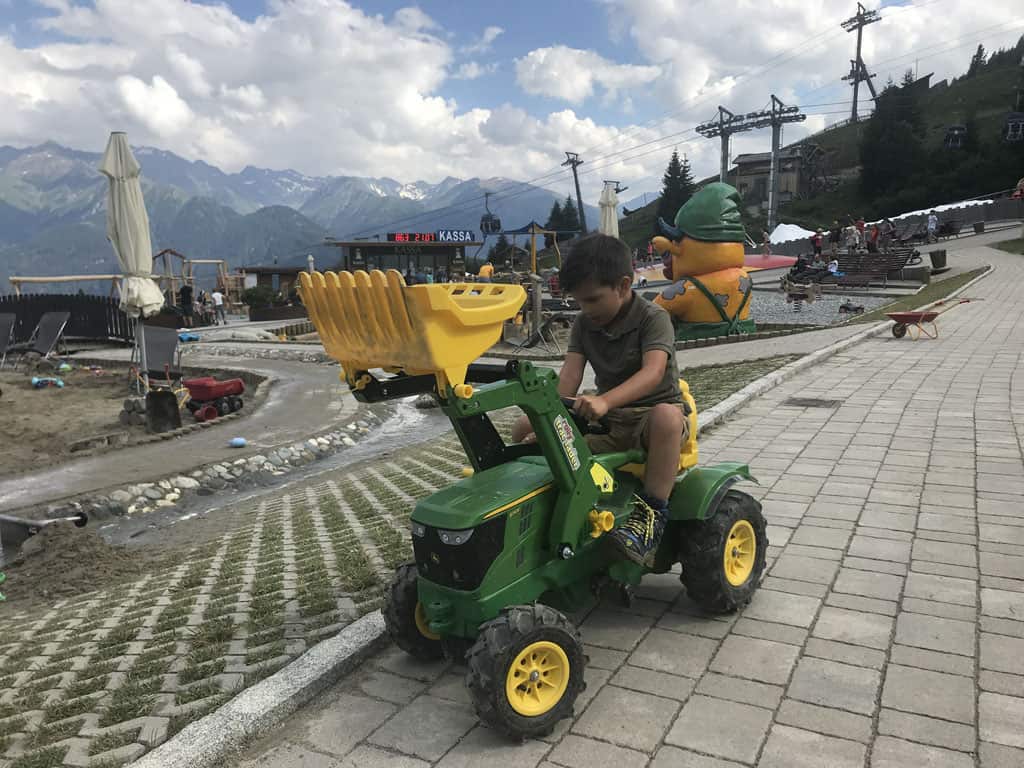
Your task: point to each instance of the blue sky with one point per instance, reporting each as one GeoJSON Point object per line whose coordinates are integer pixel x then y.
{"type": "Point", "coordinates": [387, 88]}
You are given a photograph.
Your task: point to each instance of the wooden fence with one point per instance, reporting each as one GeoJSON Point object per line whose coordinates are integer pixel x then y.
{"type": "Point", "coordinates": [95, 318]}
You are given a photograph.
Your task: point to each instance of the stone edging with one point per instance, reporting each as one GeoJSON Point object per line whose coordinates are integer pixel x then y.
{"type": "Point", "coordinates": [256, 710]}
{"type": "Point", "coordinates": [212, 739]}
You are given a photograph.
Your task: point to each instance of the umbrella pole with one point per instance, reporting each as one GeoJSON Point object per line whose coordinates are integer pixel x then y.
{"type": "Point", "coordinates": [140, 339]}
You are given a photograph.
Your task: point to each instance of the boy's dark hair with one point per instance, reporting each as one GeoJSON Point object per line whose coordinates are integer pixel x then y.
{"type": "Point", "coordinates": [601, 258]}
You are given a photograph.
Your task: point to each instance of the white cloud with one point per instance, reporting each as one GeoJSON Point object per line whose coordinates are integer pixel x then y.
{"type": "Point", "coordinates": [484, 42]}
{"type": "Point", "coordinates": [572, 74]}
{"type": "Point", "coordinates": [471, 70]}
{"type": "Point", "coordinates": [156, 104]}
{"type": "Point", "coordinates": [189, 69]}
{"type": "Point", "coordinates": [326, 88]}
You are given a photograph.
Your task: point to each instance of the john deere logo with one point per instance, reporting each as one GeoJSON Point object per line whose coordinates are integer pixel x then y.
{"type": "Point", "coordinates": [564, 432]}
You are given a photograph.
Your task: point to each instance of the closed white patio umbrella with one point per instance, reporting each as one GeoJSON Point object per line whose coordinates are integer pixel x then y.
{"type": "Point", "coordinates": [609, 204]}
{"type": "Point", "coordinates": [128, 232]}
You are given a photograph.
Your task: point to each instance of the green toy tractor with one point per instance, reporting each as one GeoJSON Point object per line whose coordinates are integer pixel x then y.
{"type": "Point", "coordinates": [502, 555]}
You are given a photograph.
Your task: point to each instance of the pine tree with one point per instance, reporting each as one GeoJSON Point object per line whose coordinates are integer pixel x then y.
{"type": "Point", "coordinates": [677, 187]}
{"type": "Point", "coordinates": [497, 252]}
{"type": "Point", "coordinates": [977, 61]}
{"type": "Point", "coordinates": [892, 148]}
{"type": "Point", "coordinates": [570, 216]}
{"type": "Point", "coordinates": [555, 217]}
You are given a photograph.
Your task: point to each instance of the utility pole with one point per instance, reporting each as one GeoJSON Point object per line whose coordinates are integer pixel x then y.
{"type": "Point", "coordinates": [858, 71]}
{"type": "Point", "coordinates": [728, 124]}
{"type": "Point", "coordinates": [573, 159]}
{"type": "Point", "coordinates": [780, 115]}
{"type": "Point", "coordinates": [725, 126]}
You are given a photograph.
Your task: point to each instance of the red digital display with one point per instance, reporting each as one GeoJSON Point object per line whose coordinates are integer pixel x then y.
{"type": "Point", "coordinates": [412, 237]}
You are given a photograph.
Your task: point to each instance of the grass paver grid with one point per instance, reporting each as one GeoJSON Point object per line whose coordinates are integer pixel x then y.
{"type": "Point", "coordinates": [100, 679]}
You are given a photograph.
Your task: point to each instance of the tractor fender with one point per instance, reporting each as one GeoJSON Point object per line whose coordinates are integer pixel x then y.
{"type": "Point", "coordinates": [698, 491]}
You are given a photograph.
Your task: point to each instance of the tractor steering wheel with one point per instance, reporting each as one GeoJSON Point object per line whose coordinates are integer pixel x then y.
{"type": "Point", "coordinates": [601, 427]}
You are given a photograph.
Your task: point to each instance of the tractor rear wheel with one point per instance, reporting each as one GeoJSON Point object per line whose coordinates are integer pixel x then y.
{"type": "Point", "coordinates": [723, 557]}
{"type": "Point", "coordinates": [404, 618]}
{"type": "Point", "coordinates": [526, 670]}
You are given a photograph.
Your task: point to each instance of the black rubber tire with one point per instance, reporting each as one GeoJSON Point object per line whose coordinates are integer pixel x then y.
{"type": "Point", "coordinates": [236, 402]}
{"type": "Point", "coordinates": [702, 554]}
{"type": "Point", "coordinates": [223, 406]}
{"type": "Point", "coordinates": [499, 642]}
{"type": "Point", "coordinates": [400, 616]}
{"type": "Point", "coordinates": [899, 330]}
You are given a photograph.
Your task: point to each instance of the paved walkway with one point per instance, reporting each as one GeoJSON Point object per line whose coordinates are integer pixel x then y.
{"type": "Point", "coordinates": [304, 399]}
{"type": "Point", "coordinates": [889, 632]}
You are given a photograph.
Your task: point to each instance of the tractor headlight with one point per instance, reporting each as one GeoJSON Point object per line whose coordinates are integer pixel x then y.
{"type": "Point", "coordinates": [418, 529]}
{"type": "Point", "coordinates": [455, 538]}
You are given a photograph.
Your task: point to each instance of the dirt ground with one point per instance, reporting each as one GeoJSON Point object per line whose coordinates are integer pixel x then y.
{"type": "Point", "coordinates": [63, 560]}
{"type": "Point", "coordinates": [38, 426]}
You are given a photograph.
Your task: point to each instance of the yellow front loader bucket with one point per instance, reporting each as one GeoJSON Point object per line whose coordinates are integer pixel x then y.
{"type": "Point", "coordinates": [374, 320]}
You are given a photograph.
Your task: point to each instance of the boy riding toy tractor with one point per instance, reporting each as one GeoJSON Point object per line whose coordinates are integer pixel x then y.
{"type": "Point", "coordinates": [502, 555]}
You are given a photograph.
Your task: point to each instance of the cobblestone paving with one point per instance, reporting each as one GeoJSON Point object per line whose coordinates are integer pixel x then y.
{"type": "Point", "coordinates": [888, 633]}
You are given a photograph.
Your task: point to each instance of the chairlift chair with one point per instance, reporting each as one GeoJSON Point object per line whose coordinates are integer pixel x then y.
{"type": "Point", "coordinates": [490, 224]}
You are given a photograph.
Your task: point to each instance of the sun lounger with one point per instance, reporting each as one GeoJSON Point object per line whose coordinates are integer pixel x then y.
{"type": "Point", "coordinates": [47, 337]}
{"type": "Point", "coordinates": [163, 358]}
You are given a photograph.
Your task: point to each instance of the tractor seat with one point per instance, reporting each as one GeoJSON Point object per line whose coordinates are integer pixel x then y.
{"type": "Point", "coordinates": [688, 453]}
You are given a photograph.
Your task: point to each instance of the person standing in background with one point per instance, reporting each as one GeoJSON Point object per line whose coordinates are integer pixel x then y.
{"type": "Point", "coordinates": [218, 306]}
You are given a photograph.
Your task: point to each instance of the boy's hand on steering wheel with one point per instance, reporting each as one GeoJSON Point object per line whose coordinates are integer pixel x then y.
{"type": "Point", "coordinates": [591, 407]}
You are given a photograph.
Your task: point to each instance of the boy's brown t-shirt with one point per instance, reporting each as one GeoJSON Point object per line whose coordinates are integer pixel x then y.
{"type": "Point", "coordinates": [616, 351]}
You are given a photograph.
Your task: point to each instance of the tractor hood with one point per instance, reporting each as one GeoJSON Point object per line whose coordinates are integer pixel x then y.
{"type": "Point", "coordinates": [484, 495]}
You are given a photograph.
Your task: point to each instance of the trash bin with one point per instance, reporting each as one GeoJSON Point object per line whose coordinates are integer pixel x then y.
{"type": "Point", "coordinates": [938, 258]}
{"type": "Point", "coordinates": [979, 227]}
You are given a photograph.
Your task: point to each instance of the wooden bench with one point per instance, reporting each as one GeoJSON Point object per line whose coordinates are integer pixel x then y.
{"type": "Point", "coordinates": [862, 269]}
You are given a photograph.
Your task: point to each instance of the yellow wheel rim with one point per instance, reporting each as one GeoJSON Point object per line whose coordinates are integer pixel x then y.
{"type": "Point", "coordinates": [423, 625]}
{"type": "Point", "coordinates": [740, 552]}
{"type": "Point", "coordinates": [537, 678]}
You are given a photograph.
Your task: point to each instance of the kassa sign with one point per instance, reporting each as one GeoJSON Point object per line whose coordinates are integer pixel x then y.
{"type": "Point", "coordinates": [455, 236]}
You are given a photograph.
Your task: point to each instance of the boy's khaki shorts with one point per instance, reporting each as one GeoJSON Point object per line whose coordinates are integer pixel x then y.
{"type": "Point", "coordinates": [630, 428]}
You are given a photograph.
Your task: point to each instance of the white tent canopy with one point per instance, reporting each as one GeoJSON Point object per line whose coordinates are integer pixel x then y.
{"type": "Point", "coordinates": [783, 233]}
{"type": "Point", "coordinates": [128, 229]}
{"type": "Point", "coordinates": [609, 204]}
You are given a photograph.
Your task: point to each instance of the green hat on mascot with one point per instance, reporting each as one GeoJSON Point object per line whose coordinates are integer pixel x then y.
{"type": "Point", "coordinates": [712, 215]}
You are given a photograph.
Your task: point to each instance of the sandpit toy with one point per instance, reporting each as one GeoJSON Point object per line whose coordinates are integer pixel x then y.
{"type": "Point", "coordinates": [922, 323]}
{"type": "Point", "coordinates": [502, 555]}
{"type": "Point", "coordinates": [42, 382]}
{"type": "Point", "coordinates": [210, 398]}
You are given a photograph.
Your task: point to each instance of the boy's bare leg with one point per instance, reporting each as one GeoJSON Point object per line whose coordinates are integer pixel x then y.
{"type": "Point", "coordinates": [637, 538]}
{"type": "Point", "coordinates": [521, 428]}
{"type": "Point", "coordinates": [665, 436]}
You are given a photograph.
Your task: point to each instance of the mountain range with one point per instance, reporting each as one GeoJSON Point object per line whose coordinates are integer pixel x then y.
{"type": "Point", "coordinates": [53, 210]}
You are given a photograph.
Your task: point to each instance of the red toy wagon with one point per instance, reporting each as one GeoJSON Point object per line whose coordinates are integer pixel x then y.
{"type": "Point", "coordinates": [211, 398]}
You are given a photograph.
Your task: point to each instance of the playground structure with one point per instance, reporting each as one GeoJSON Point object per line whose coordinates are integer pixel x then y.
{"type": "Point", "coordinates": [164, 273]}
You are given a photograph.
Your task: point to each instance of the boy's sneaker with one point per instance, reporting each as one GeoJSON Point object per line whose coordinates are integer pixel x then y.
{"type": "Point", "coordinates": [638, 537]}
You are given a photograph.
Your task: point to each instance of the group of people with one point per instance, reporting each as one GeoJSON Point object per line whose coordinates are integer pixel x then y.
{"type": "Point", "coordinates": [855, 236]}
{"type": "Point", "coordinates": [210, 307]}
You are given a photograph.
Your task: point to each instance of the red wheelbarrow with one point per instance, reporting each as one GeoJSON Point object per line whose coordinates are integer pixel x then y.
{"type": "Point", "coordinates": [922, 322]}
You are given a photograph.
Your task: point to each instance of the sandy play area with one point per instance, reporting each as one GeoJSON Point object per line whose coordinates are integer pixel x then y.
{"type": "Point", "coordinates": [39, 426]}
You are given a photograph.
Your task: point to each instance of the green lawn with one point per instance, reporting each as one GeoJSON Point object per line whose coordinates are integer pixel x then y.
{"type": "Point", "coordinates": [1011, 246]}
{"type": "Point", "coordinates": [935, 291]}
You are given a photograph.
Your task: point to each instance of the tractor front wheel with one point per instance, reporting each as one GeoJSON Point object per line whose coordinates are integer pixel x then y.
{"type": "Point", "coordinates": [526, 670]}
{"type": "Point", "coordinates": [723, 557]}
{"type": "Point", "coordinates": [404, 618]}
